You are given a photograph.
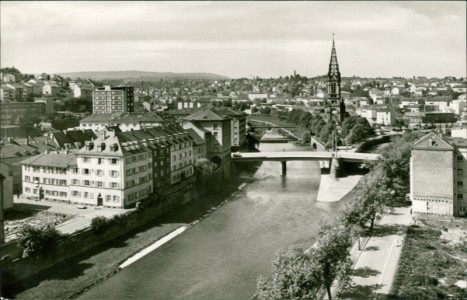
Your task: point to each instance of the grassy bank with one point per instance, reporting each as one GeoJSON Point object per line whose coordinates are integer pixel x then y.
{"type": "Point", "coordinates": [429, 266]}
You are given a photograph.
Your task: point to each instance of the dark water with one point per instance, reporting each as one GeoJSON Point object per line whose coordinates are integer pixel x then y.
{"type": "Point", "coordinates": [222, 256]}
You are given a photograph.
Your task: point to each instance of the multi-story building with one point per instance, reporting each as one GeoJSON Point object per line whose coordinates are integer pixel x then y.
{"type": "Point", "coordinates": [46, 176]}
{"type": "Point", "coordinates": [116, 169]}
{"type": "Point", "coordinates": [110, 100]}
{"type": "Point", "coordinates": [21, 112]}
{"type": "Point", "coordinates": [219, 141]}
{"type": "Point", "coordinates": [111, 172]}
{"type": "Point", "coordinates": [386, 116]}
{"type": "Point", "coordinates": [238, 125]}
{"type": "Point", "coordinates": [438, 180]}
{"type": "Point", "coordinates": [199, 144]}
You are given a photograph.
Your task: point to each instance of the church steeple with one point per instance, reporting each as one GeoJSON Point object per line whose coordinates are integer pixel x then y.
{"type": "Point", "coordinates": [333, 64]}
{"type": "Point", "coordinates": [334, 100]}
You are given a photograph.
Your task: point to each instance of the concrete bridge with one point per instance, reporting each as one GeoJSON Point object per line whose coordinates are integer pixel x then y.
{"type": "Point", "coordinates": [335, 160]}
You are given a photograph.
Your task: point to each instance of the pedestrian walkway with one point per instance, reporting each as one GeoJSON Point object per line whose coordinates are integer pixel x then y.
{"type": "Point", "coordinates": [376, 264]}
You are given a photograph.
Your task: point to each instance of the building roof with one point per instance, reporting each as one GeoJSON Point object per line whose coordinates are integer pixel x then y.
{"type": "Point", "coordinates": [434, 142]}
{"type": "Point", "coordinates": [97, 118]}
{"type": "Point", "coordinates": [206, 115]}
{"type": "Point", "coordinates": [72, 137]}
{"type": "Point", "coordinates": [229, 112]}
{"type": "Point", "coordinates": [52, 159]}
{"type": "Point", "coordinates": [24, 147]}
{"type": "Point", "coordinates": [197, 140]}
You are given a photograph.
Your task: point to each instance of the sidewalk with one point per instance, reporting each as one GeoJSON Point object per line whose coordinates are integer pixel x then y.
{"type": "Point", "coordinates": [375, 266]}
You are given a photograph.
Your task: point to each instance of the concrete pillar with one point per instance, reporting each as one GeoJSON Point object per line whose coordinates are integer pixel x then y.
{"type": "Point", "coordinates": [284, 168]}
{"type": "Point", "coordinates": [336, 169]}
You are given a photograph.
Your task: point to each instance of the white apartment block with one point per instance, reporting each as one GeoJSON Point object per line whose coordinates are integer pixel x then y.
{"type": "Point", "coordinates": [47, 176]}
{"type": "Point", "coordinates": [386, 117]}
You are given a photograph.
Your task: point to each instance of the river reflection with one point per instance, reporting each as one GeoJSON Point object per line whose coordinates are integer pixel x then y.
{"type": "Point", "coordinates": [222, 256]}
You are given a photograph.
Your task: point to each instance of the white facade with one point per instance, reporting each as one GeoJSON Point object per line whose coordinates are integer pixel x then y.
{"type": "Point", "coordinates": [385, 117]}
{"type": "Point", "coordinates": [369, 115]}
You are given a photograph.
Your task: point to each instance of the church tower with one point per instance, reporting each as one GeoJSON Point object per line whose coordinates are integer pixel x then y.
{"type": "Point", "coordinates": [335, 107]}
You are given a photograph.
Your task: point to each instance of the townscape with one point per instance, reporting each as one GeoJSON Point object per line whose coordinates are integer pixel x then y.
{"type": "Point", "coordinates": [349, 187]}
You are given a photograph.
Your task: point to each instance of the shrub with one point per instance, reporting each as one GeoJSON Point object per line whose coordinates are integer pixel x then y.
{"type": "Point", "coordinates": [99, 224]}
{"type": "Point", "coordinates": [38, 242]}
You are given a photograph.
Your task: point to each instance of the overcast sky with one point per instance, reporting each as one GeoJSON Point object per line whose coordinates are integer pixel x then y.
{"type": "Point", "coordinates": [236, 39]}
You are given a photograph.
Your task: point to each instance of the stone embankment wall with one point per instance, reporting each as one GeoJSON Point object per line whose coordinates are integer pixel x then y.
{"type": "Point", "coordinates": [13, 271]}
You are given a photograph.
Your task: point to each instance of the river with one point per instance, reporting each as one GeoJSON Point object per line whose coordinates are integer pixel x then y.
{"type": "Point", "coordinates": [222, 256]}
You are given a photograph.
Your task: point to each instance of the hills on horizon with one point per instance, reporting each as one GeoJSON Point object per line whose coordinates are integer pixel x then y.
{"type": "Point", "coordinates": [140, 75]}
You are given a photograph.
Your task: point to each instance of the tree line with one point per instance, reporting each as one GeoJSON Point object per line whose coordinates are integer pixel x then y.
{"type": "Point", "coordinates": [353, 130]}
{"type": "Point", "coordinates": [300, 273]}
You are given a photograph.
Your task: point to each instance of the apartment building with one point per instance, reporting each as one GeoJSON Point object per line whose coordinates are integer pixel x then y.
{"type": "Point", "coordinates": [438, 181]}
{"type": "Point", "coordinates": [110, 100]}
{"type": "Point", "coordinates": [46, 176]}
{"type": "Point", "coordinates": [111, 172]}
{"type": "Point", "coordinates": [218, 141]}
{"type": "Point", "coordinates": [385, 116]}
{"type": "Point", "coordinates": [238, 125]}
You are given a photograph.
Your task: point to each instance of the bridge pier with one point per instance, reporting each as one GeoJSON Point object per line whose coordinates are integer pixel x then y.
{"type": "Point", "coordinates": [336, 168]}
{"type": "Point", "coordinates": [284, 167]}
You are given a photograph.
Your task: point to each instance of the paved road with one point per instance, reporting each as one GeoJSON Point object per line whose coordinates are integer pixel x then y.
{"type": "Point", "coordinates": [376, 265]}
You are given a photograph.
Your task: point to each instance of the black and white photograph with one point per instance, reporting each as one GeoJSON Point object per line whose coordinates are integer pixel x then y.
{"type": "Point", "coordinates": [233, 150]}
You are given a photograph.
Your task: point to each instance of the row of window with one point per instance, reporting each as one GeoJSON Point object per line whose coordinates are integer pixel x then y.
{"type": "Point", "coordinates": [136, 158]}
{"type": "Point", "coordinates": [98, 172]}
{"type": "Point", "coordinates": [137, 181]}
{"type": "Point", "coordinates": [52, 170]}
{"type": "Point", "coordinates": [89, 195]}
{"type": "Point", "coordinates": [99, 160]}
{"type": "Point", "coordinates": [93, 183]}
{"type": "Point", "coordinates": [180, 165]}
{"type": "Point", "coordinates": [181, 155]}
{"type": "Point", "coordinates": [51, 181]}
{"type": "Point", "coordinates": [180, 146]}
{"type": "Point", "coordinates": [139, 194]}
{"type": "Point", "coordinates": [137, 170]}
{"type": "Point", "coordinates": [46, 192]}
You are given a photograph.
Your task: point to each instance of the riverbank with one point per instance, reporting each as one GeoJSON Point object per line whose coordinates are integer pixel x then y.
{"type": "Point", "coordinates": [73, 276]}
{"type": "Point", "coordinates": [334, 189]}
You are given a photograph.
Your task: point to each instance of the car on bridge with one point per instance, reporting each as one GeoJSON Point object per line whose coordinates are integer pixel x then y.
{"type": "Point", "coordinates": [236, 154]}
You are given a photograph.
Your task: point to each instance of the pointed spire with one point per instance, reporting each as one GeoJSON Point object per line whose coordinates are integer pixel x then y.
{"type": "Point", "coordinates": [333, 55]}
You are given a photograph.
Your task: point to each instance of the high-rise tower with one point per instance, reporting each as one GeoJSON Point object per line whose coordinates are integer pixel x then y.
{"type": "Point", "coordinates": [335, 107]}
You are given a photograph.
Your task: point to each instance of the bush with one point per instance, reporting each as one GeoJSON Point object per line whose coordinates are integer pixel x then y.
{"type": "Point", "coordinates": [38, 242]}
{"type": "Point", "coordinates": [99, 224]}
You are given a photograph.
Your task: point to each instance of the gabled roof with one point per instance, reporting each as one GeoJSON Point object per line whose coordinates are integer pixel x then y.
{"type": "Point", "coordinates": [432, 141]}
{"type": "Point", "coordinates": [206, 115]}
{"type": "Point", "coordinates": [97, 118]}
{"type": "Point", "coordinates": [229, 112]}
{"type": "Point", "coordinates": [52, 159]}
{"type": "Point", "coordinates": [197, 140]}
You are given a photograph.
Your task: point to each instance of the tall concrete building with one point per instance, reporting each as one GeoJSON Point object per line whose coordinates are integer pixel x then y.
{"type": "Point", "coordinates": [218, 139]}
{"type": "Point", "coordinates": [335, 107]}
{"type": "Point", "coordinates": [438, 176]}
{"type": "Point", "coordinates": [110, 100]}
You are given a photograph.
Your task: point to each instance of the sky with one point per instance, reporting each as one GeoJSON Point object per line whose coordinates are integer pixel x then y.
{"type": "Point", "coordinates": [236, 38]}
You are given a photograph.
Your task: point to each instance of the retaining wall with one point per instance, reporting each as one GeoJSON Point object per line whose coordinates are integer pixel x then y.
{"type": "Point", "coordinates": [13, 271]}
